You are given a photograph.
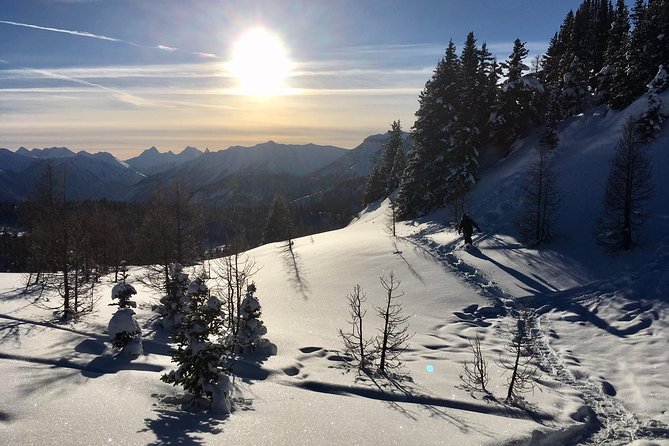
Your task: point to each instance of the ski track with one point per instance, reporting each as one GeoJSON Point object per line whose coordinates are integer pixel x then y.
{"type": "Point", "coordinates": [607, 420]}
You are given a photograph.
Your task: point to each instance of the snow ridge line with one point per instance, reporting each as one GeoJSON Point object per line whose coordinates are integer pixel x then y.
{"type": "Point", "coordinates": [613, 424]}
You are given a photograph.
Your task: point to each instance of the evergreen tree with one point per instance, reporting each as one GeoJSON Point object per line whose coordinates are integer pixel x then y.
{"type": "Point", "coordinates": [375, 188]}
{"type": "Point", "coordinates": [602, 17]}
{"type": "Point", "coordinates": [514, 111]}
{"type": "Point", "coordinates": [462, 156]}
{"type": "Point", "coordinates": [174, 304]}
{"type": "Point", "coordinates": [649, 123]}
{"type": "Point", "coordinates": [124, 331]}
{"type": "Point", "coordinates": [658, 42]}
{"type": "Point", "coordinates": [612, 87]}
{"type": "Point", "coordinates": [488, 78]}
{"type": "Point", "coordinates": [577, 60]}
{"type": "Point", "coordinates": [423, 185]}
{"type": "Point", "coordinates": [278, 226]}
{"type": "Point", "coordinates": [396, 173]}
{"type": "Point", "coordinates": [551, 74]}
{"type": "Point", "coordinates": [251, 331]}
{"type": "Point", "coordinates": [202, 359]}
{"type": "Point", "coordinates": [648, 48]}
{"type": "Point", "coordinates": [386, 175]}
{"type": "Point", "coordinates": [394, 150]}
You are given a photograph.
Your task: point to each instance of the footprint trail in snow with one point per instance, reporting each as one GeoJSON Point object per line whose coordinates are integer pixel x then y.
{"type": "Point", "coordinates": [606, 421]}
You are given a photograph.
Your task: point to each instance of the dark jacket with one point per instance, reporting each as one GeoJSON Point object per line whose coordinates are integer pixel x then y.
{"type": "Point", "coordinates": [467, 225]}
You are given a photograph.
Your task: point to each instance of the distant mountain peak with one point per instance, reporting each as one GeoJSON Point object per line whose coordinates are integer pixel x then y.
{"type": "Point", "coordinates": [52, 152]}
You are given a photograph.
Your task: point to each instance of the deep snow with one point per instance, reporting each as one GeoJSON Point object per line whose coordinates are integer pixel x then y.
{"type": "Point", "coordinates": [602, 326]}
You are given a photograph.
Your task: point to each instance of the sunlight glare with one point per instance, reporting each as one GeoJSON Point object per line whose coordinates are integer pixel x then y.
{"type": "Point", "coordinates": [260, 64]}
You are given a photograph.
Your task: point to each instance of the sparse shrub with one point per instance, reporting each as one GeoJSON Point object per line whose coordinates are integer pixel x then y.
{"type": "Point", "coordinates": [475, 373]}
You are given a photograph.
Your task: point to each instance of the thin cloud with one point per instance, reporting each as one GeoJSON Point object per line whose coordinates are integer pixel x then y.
{"type": "Point", "coordinates": [107, 38]}
{"type": "Point", "coordinates": [120, 95]}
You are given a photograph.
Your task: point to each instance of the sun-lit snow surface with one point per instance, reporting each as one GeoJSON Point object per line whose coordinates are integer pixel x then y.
{"type": "Point", "coordinates": [62, 387]}
{"type": "Point", "coordinates": [603, 330]}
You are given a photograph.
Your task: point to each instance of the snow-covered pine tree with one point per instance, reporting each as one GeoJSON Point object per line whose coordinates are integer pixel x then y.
{"type": "Point", "coordinates": [514, 112]}
{"type": "Point", "coordinates": [394, 150]}
{"type": "Point", "coordinates": [601, 18]}
{"type": "Point", "coordinates": [649, 124]}
{"type": "Point", "coordinates": [123, 329]}
{"type": "Point", "coordinates": [574, 95]}
{"type": "Point", "coordinates": [250, 336]}
{"type": "Point", "coordinates": [488, 78]}
{"type": "Point", "coordinates": [550, 62]}
{"type": "Point", "coordinates": [628, 187]}
{"type": "Point", "coordinates": [640, 70]}
{"type": "Point", "coordinates": [396, 173]}
{"type": "Point", "coordinates": [462, 157]}
{"type": "Point", "coordinates": [413, 187]}
{"type": "Point", "coordinates": [423, 185]}
{"type": "Point", "coordinates": [202, 358]}
{"type": "Point", "coordinates": [613, 76]}
{"type": "Point", "coordinates": [658, 33]}
{"type": "Point", "coordinates": [175, 302]}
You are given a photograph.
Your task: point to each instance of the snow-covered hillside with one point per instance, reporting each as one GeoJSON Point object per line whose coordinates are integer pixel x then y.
{"type": "Point", "coordinates": [601, 331]}
{"type": "Point", "coordinates": [61, 385]}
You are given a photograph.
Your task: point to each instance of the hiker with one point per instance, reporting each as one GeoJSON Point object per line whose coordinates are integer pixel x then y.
{"type": "Point", "coordinates": [466, 228]}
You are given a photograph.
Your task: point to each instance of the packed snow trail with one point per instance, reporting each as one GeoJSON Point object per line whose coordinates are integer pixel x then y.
{"type": "Point", "coordinates": [605, 419]}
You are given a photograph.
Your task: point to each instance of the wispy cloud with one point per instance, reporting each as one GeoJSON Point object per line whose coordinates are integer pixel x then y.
{"type": "Point", "coordinates": [120, 95]}
{"type": "Point", "coordinates": [107, 38]}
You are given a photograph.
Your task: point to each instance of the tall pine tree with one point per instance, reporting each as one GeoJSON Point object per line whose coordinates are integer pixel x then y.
{"type": "Point", "coordinates": [423, 187]}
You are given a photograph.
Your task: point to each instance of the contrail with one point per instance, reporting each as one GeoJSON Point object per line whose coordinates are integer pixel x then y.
{"type": "Point", "coordinates": [121, 95]}
{"type": "Point", "coordinates": [107, 38]}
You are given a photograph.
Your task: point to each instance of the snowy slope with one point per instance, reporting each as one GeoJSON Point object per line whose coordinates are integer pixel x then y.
{"type": "Point", "coordinates": [602, 325]}
{"type": "Point", "coordinates": [64, 388]}
{"type": "Point", "coordinates": [604, 317]}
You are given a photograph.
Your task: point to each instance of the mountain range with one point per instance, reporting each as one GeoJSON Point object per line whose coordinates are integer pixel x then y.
{"type": "Point", "coordinates": [236, 175]}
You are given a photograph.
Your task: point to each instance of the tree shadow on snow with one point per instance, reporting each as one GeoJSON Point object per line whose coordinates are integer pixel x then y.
{"type": "Point", "coordinates": [565, 301]}
{"type": "Point", "coordinates": [532, 286]}
{"type": "Point", "coordinates": [295, 270]}
{"type": "Point", "coordinates": [56, 324]}
{"type": "Point", "coordinates": [176, 426]}
{"type": "Point", "coordinates": [411, 269]}
{"type": "Point", "coordinates": [101, 365]}
{"type": "Point", "coordinates": [422, 400]}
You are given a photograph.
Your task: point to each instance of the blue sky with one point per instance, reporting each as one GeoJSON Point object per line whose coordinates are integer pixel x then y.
{"type": "Point", "coordinates": [122, 76]}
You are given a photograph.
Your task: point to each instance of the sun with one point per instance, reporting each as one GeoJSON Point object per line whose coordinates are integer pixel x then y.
{"type": "Point", "coordinates": [260, 63]}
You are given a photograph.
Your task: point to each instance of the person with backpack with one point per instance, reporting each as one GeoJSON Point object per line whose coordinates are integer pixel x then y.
{"type": "Point", "coordinates": [466, 228]}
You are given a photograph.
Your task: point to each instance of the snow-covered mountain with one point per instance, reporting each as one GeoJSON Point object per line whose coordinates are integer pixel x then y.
{"type": "Point", "coordinates": [213, 173]}
{"type": "Point", "coordinates": [359, 162]}
{"type": "Point", "coordinates": [151, 161]}
{"type": "Point", "coordinates": [89, 176]}
{"type": "Point", "coordinates": [47, 153]}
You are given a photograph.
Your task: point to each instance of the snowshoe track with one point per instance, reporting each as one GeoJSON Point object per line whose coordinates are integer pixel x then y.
{"type": "Point", "coordinates": [612, 424]}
